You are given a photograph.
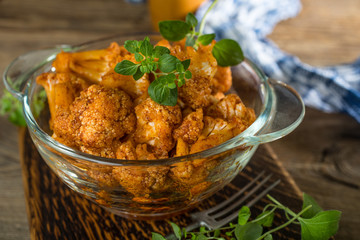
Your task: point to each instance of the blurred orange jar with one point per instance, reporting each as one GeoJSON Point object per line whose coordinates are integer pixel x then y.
{"type": "Point", "coordinates": [171, 9]}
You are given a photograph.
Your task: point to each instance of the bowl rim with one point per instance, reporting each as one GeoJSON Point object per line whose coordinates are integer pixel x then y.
{"type": "Point", "coordinates": [263, 117]}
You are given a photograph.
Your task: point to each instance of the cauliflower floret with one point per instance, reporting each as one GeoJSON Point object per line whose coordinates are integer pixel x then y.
{"type": "Point", "coordinates": [215, 132]}
{"type": "Point", "coordinates": [191, 127]}
{"type": "Point", "coordinates": [182, 148]}
{"type": "Point", "coordinates": [102, 115]}
{"type": "Point", "coordinates": [197, 90]}
{"type": "Point", "coordinates": [90, 65]}
{"type": "Point", "coordinates": [232, 109]}
{"type": "Point", "coordinates": [126, 83]}
{"type": "Point", "coordinates": [155, 124]}
{"type": "Point", "coordinates": [222, 80]}
{"type": "Point", "coordinates": [95, 120]}
{"type": "Point", "coordinates": [140, 181]}
{"type": "Point", "coordinates": [61, 90]}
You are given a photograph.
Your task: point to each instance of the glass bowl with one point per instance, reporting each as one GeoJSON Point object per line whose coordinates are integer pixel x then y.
{"type": "Point", "coordinates": [155, 188]}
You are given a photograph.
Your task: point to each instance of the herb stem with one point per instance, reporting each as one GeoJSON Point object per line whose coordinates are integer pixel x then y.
{"type": "Point", "coordinates": [202, 23]}
{"type": "Point", "coordinates": [264, 216]}
{"type": "Point", "coordinates": [285, 224]}
{"type": "Point", "coordinates": [281, 206]}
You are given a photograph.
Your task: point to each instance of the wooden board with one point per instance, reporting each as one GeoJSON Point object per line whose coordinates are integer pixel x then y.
{"type": "Point", "coordinates": [57, 212]}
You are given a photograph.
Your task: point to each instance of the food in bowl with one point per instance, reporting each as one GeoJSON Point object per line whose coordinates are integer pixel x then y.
{"type": "Point", "coordinates": [97, 111]}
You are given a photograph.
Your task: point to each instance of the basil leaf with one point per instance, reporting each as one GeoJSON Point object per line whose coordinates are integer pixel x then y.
{"type": "Point", "coordinates": [266, 221]}
{"type": "Point", "coordinates": [190, 41]}
{"type": "Point", "coordinates": [131, 45]}
{"type": "Point", "coordinates": [188, 74]}
{"type": "Point", "coordinates": [315, 209]}
{"type": "Point", "coordinates": [160, 50]}
{"type": "Point", "coordinates": [186, 63]}
{"type": "Point", "coordinates": [157, 236]}
{"type": "Point", "coordinates": [227, 52]}
{"type": "Point", "coordinates": [138, 74]}
{"type": "Point", "coordinates": [249, 231]}
{"type": "Point", "coordinates": [176, 229]}
{"type": "Point", "coordinates": [206, 39]}
{"type": "Point", "coordinates": [174, 30]}
{"type": "Point", "coordinates": [243, 215]}
{"type": "Point", "coordinates": [126, 67]}
{"type": "Point", "coordinates": [167, 63]}
{"type": "Point", "coordinates": [146, 48]}
{"type": "Point", "coordinates": [320, 227]}
{"type": "Point", "coordinates": [191, 20]}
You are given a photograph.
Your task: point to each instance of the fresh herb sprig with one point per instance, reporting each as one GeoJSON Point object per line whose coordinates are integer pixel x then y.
{"type": "Point", "coordinates": [12, 108]}
{"type": "Point", "coordinates": [227, 52]}
{"type": "Point", "coordinates": [163, 89]}
{"type": "Point", "coordinates": [314, 221]}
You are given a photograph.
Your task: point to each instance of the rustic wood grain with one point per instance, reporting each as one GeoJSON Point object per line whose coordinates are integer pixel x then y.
{"type": "Point", "coordinates": [57, 212]}
{"type": "Point", "coordinates": [325, 32]}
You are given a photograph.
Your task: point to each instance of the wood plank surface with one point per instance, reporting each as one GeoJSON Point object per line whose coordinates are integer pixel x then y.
{"type": "Point", "coordinates": [57, 212]}
{"type": "Point", "coordinates": [324, 33]}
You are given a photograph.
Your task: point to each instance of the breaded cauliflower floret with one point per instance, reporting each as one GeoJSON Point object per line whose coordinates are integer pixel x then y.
{"type": "Point", "coordinates": [61, 90]}
{"type": "Point", "coordinates": [197, 90]}
{"type": "Point", "coordinates": [222, 80]}
{"type": "Point", "coordinates": [139, 181]}
{"type": "Point", "coordinates": [126, 83]}
{"type": "Point", "coordinates": [90, 65]}
{"type": "Point", "coordinates": [155, 124]}
{"type": "Point", "coordinates": [232, 109]}
{"type": "Point", "coordinates": [102, 115]}
{"type": "Point", "coordinates": [191, 127]}
{"type": "Point", "coordinates": [215, 132]}
{"type": "Point", "coordinates": [142, 181]}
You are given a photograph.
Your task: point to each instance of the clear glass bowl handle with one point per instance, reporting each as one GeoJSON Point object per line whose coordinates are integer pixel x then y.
{"type": "Point", "coordinates": [287, 112]}
{"type": "Point", "coordinates": [17, 74]}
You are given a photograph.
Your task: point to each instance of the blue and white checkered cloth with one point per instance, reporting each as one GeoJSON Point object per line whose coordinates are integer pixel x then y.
{"type": "Point", "coordinates": [331, 89]}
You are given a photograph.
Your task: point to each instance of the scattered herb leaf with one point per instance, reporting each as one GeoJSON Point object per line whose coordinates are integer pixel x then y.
{"type": "Point", "coordinates": [321, 226]}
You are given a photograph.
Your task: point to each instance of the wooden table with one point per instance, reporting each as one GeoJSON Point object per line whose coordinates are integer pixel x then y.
{"type": "Point", "coordinates": [322, 154]}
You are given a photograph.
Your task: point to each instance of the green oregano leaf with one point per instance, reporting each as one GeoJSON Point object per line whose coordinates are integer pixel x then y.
{"type": "Point", "coordinates": [188, 74]}
{"type": "Point", "coordinates": [131, 45]}
{"type": "Point", "coordinates": [167, 63]}
{"type": "Point", "coordinates": [315, 209]}
{"type": "Point", "coordinates": [249, 231]}
{"type": "Point", "coordinates": [176, 230]}
{"type": "Point", "coordinates": [190, 41]}
{"type": "Point", "coordinates": [206, 39]}
{"type": "Point", "coordinates": [244, 215]}
{"type": "Point", "coordinates": [174, 30]}
{"type": "Point", "coordinates": [146, 48]}
{"type": "Point", "coordinates": [186, 63]}
{"type": "Point", "coordinates": [268, 237]}
{"type": "Point", "coordinates": [138, 57]}
{"type": "Point", "coordinates": [160, 92]}
{"type": "Point", "coordinates": [227, 52]}
{"type": "Point", "coordinates": [160, 50]}
{"type": "Point", "coordinates": [126, 67]}
{"type": "Point", "coordinates": [138, 74]}
{"type": "Point", "coordinates": [265, 221]}
{"type": "Point", "coordinates": [191, 20]}
{"type": "Point", "coordinates": [157, 236]}
{"type": "Point", "coordinates": [320, 227]}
